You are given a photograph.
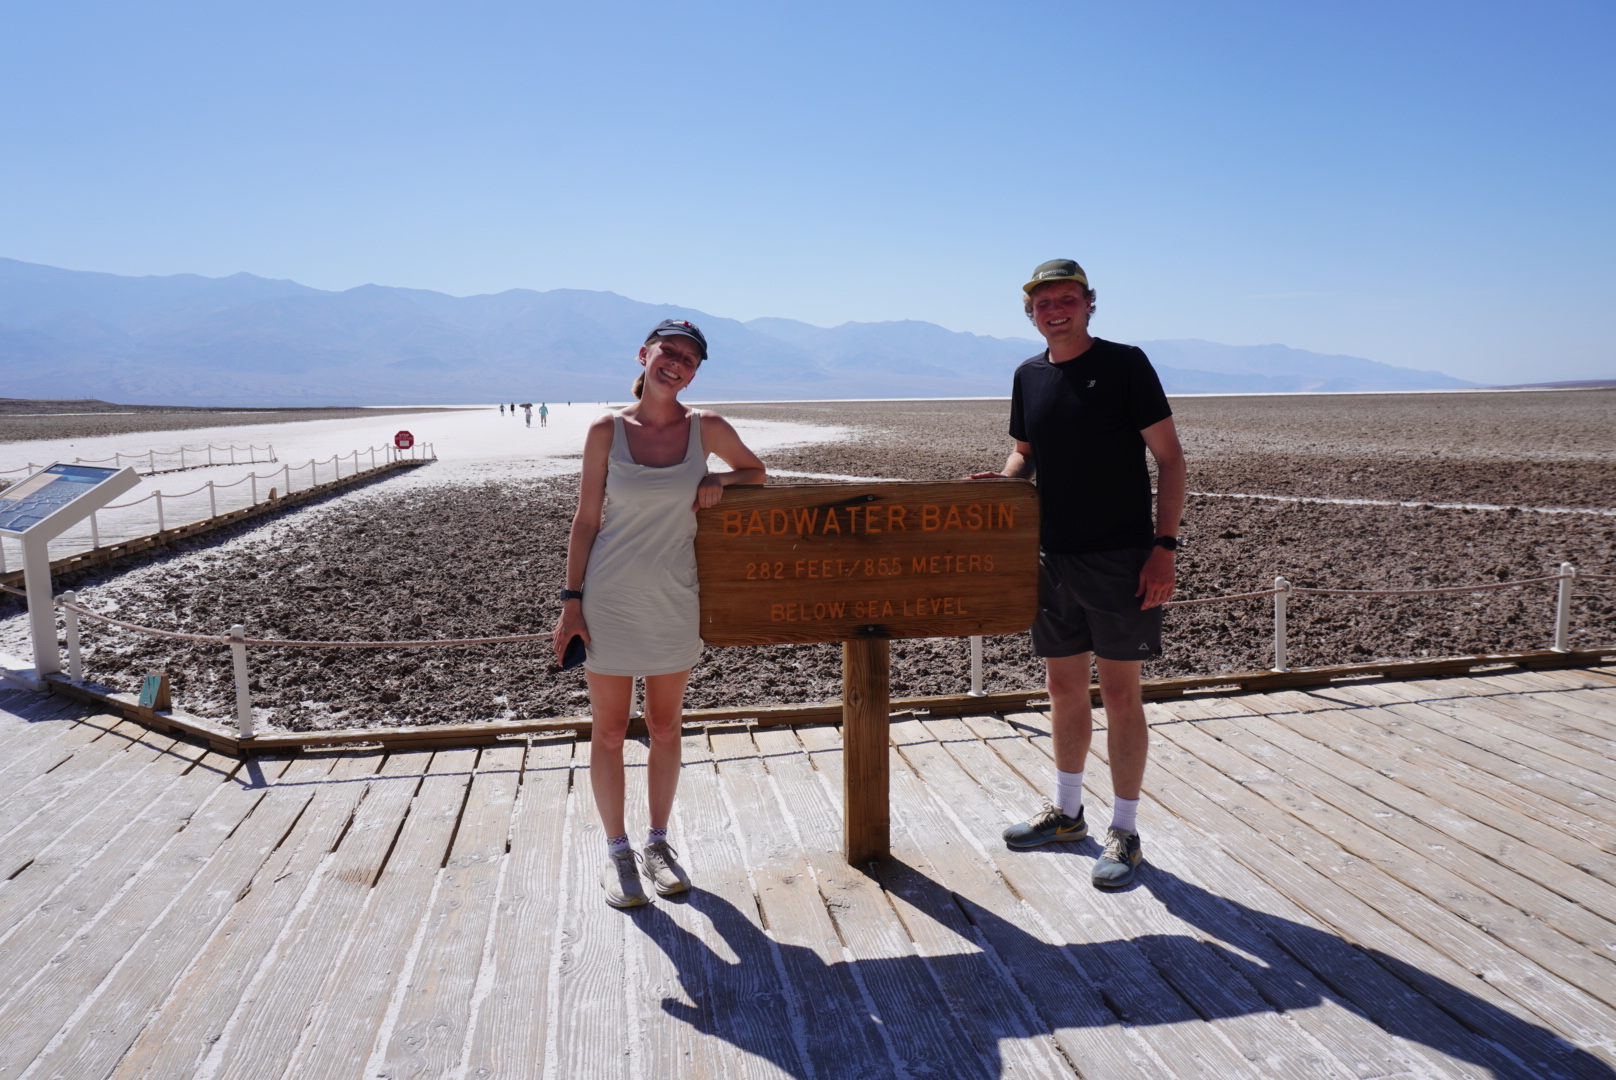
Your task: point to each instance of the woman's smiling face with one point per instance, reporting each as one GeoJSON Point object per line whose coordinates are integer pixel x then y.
{"type": "Point", "coordinates": [671, 361]}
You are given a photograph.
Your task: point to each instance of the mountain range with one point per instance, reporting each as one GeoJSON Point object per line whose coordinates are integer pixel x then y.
{"type": "Point", "coordinates": [245, 340]}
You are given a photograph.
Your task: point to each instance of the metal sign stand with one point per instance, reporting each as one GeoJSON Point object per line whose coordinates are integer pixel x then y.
{"type": "Point", "coordinates": [35, 511]}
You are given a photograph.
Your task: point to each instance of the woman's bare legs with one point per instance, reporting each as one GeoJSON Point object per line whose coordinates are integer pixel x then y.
{"type": "Point", "coordinates": [664, 713]}
{"type": "Point", "coordinates": [608, 708]}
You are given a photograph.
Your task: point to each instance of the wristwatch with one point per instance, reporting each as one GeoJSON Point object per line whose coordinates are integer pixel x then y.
{"type": "Point", "coordinates": [1168, 542]}
{"type": "Point", "coordinates": [570, 594]}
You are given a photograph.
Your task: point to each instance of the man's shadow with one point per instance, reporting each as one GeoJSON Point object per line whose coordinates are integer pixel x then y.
{"type": "Point", "coordinates": [1290, 966]}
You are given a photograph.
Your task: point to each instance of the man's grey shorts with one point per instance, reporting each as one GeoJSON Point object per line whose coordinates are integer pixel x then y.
{"type": "Point", "coordinates": [1087, 603]}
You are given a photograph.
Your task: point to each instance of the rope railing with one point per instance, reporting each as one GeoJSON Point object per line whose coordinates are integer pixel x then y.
{"type": "Point", "coordinates": [378, 456]}
{"type": "Point", "coordinates": [238, 641]}
{"type": "Point", "coordinates": [149, 458]}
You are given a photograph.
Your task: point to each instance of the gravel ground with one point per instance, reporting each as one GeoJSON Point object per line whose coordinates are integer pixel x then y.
{"type": "Point", "coordinates": [397, 564]}
{"type": "Point", "coordinates": [18, 425]}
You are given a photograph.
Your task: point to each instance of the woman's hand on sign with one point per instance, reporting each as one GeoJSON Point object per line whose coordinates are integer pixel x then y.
{"type": "Point", "coordinates": [568, 626]}
{"type": "Point", "coordinates": [708, 492]}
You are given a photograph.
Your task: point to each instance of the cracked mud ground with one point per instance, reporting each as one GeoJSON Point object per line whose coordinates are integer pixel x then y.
{"type": "Point", "coordinates": [456, 561]}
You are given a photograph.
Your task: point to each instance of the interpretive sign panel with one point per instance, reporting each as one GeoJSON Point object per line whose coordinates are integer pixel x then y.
{"type": "Point", "coordinates": [894, 559]}
{"type": "Point", "coordinates": [25, 506]}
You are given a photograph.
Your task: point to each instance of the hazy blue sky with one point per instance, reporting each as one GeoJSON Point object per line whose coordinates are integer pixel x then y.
{"type": "Point", "coordinates": [1427, 184]}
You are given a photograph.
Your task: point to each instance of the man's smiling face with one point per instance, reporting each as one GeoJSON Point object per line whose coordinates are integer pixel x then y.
{"type": "Point", "coordinates": [1061, 313]}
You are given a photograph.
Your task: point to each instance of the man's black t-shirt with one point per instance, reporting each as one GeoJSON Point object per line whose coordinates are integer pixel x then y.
{"type": "Point", "coordinates": [1083, 419]}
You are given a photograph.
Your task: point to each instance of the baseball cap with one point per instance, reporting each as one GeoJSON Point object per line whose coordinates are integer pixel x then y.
{"type": "Point", "coordinates": [1056, 270]}
{"type": "Point", "coordinates": [685, 328]}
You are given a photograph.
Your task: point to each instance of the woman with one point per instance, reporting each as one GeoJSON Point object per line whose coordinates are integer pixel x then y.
{"type": "Point", "coordinates": [631, 590]}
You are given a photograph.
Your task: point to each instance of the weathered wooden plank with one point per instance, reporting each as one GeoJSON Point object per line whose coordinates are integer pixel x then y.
{"type": "Point", "coordinates": [1371, 1022]}
{"type": "Point", "coordinates": [1219, 807]}
{"type": "Point", "coordinates": [727, 965]}
{"type": "Point", "coordinates": [1551, 858]}
{"type": "Point", "coordinates": [1130, 985]}
{"type": "Point", "coordinates": [1569, 710]}
{"type": "Point", "coordinates": [435, 1013]}
{"type": "Point", "coordinates": [28, 719]}
{"type": "Point", "coordinates": [667, 960]}
{"type": "Point", "coordinates": [178, 1038]}
{"type": "Point", "coordinates": [841, 1039]}
{"type": "Point", "coordinates": [982, 997]}
{"type": "Point", "coordinates": [914, 1016]}
{"type": "Point", "coordinates": [1580, 1018]}
{"type": "Point", "coordinates": [63, 850]}
{"type": "Point", "coordinates": [1543, 926]}
{"type": "Point", "coordinates": [358, 997]}
{"type": "Point", "coordinates": [104, 1026]}
{"type": "Point", "coordinates": [1266, 1041]}
{"type": "Point", "coordinates": [34, 1012]}
{"type": "Point", "coordinates": [512, 1023]}
{"type": "Point", "coordinates": [589, 1034]}
{"type": "Point", "coordinates": [65, 904]}
{"type": "Point", "coordinates": [1508, 715]}
{"type": "Point", "coordinates": [1506, 759]}
{"type": "Point", "coordinates": [263, 1034]}
{"type": "Point", "coordinates": [47, 752]}
{"type": "Point", "coordinates": [70, 781]}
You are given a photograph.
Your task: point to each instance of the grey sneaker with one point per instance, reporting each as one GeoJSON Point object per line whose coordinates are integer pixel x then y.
{"type": "Point", "coordinates": [1117, 862]}
{"type": "Point", "coordinates": [1049, 824]}
{"type": "Point", "coordinates": [621, 880]}
{"type": "Point", "coordinates": [663, 869]}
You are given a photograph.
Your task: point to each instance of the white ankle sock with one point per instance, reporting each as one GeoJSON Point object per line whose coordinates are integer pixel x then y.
{"type": "Point", "coordinates": [617, 844]}
{"type": "Point", "coordinates": [1125, 815]}
{"type": "Point", "coordinates": [656, 836]}
{"type": "Point", "coordinates": [1069, 792]}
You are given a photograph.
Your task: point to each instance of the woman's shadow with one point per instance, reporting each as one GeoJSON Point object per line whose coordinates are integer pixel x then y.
{"type": "Point", "coordinates": [1290, 966]}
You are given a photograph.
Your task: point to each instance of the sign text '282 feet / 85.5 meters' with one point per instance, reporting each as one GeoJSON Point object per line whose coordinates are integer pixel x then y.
{"type": "Point", "coordinates": [837, 562]}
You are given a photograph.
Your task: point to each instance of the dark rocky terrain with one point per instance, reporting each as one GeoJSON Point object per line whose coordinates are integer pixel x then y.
{"type": "Point", "coordinates": [461, 561]}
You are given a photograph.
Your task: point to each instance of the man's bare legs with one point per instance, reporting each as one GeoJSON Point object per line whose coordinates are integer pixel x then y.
{"type": "Point", "coordinates": [664, 710]}
{"type": "Point", "coordinates": [1072, 720]}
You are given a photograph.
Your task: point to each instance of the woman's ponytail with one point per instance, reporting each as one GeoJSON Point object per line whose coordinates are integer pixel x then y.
{"type": "Point", "coordinates": [639, 384]}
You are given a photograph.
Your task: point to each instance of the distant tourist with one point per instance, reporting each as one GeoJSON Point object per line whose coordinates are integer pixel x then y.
{"type": "Point", "coordinates": [544, 415]}
{"type": "Point", "coordinates": [1082, 415]}
{"type": "Point", "coordinates": [502, 408]}
{"type": "Point", "coordinates": [527, 413]}
{"type": "Point", "coordinates": [631, 587]}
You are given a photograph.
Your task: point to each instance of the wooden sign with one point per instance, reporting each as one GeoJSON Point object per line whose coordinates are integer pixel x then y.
{"type": "Point", "coordinates": [894, 559]}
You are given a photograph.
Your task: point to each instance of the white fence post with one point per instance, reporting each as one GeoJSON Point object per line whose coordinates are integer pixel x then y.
{"type": "Point", "coordinates": [75, 663]}
{"type": "Point", "coordinates": [286, 480]}
{"type": "Point", "coordinates": [95, 533]}
{"type": "Point", "coordinates": [182, 457]}
{"type": "Point", "coordinates": [213, 501]}
{"type": "Point", "coordinates": [976, 665]}
{"type": "Point", "coordinates": [160, 525]}
{"type": "Point", "coordinates": [244, 713]}
{"type": "Point", "coordinates": [271, 451]}
{"type": "Point", "coordinates": [151, 461]}
{"type": "Point", "coordinates": [1280, 659]}
{"type": "Point", "coordinates": [1562, 609]}
{"type": "Point", "coordinates": [254, 486]}
{"type": "Point", "coordinates": [210, 454]}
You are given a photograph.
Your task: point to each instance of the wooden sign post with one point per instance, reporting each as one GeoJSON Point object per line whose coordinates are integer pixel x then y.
{"type": "Point", "coordinates": [862, 564]}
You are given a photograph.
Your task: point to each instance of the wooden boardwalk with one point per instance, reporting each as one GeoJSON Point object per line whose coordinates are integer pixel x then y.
{"type": "Point", "coordinates": [1386, 879]}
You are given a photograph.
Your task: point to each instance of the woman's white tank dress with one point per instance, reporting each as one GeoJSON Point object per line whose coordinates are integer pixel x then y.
{"type": "Point", "coordinates": [641, 600]}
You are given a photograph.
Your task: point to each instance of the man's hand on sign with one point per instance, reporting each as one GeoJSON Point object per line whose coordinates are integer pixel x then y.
{"type": "Point", "coordinates": [1156, 579]}
{"type": "Point", "coordinates": [708, 492]}
{"type": "Point", "coordinates": [570, 624]}
{"type": "Point", "coordinates": [986, 476]}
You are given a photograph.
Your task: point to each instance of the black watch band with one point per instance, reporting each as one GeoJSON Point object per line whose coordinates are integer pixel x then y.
{"type": "Point", "coordinates": [570, 594]}
{"type": "Point", "coordinates": [1168, 542]}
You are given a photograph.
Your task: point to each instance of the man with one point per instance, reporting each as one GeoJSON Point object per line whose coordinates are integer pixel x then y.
{"type": "Point", "coordinates": [1082, 415]}
{"type": "Point", "coordinates": [544, 415]}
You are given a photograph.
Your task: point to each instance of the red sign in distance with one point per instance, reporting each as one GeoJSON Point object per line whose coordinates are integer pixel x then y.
{"type": "Point", "coordinates": [403, 440]}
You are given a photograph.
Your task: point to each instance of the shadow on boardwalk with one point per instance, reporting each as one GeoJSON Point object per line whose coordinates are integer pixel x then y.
{"type": "Point", "coordinates": [742, 1003]}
